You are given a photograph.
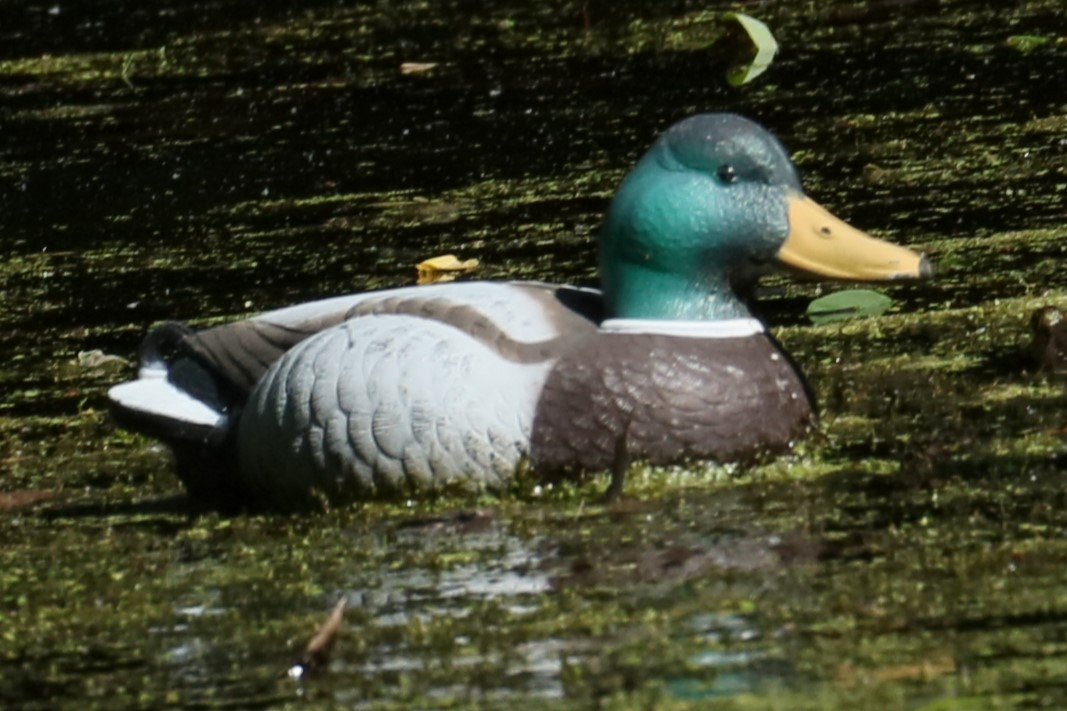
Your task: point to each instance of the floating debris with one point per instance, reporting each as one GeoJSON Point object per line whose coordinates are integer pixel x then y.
{"type": "Point", "coordinates": [13, 500]}
{"type": "Point", "coordinates": [1049, 347]}
{"type": "Point", "coordinates": [317, 653]}
{"type": "Point", "coordinates": [444, 268]}
{"type": "Point", "coordinates": [97, 359]}
{"type": "Point", "coordinates": [747, 45]}
{"type": "Point", "coordinates": [416, 67]}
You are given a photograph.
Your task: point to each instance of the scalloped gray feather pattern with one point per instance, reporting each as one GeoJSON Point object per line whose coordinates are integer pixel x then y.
{"type": "Point", "coordinates": [417, 390]}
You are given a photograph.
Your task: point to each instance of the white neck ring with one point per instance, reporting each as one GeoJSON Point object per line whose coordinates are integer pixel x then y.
{"type": "Point", "coordinates": [726, 328]}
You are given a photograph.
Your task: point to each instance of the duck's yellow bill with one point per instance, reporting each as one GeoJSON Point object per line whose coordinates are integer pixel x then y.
{"type": "Point", "coordinates": [822, 245]}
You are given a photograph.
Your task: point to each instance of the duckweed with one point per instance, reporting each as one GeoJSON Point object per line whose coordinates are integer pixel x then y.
{"type": "Point", "coordinates": [204, 162]}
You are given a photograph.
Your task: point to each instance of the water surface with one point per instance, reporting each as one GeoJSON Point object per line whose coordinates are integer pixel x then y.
{"type": "Point", "coordinates": [202, 161]}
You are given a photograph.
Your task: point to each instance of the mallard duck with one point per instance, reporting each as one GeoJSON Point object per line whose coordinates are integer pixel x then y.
{"type": "Point", "coordinates": [459, 386]}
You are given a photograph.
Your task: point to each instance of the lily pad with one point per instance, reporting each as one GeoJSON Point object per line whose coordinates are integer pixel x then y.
{"type": "Point", "coordinates": [848, 304]}
{"type": "Point", "coordinates": [748, 45]}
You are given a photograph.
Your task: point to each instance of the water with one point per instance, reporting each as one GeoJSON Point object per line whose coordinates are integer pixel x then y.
{"type": "Point", "coordinates": [204, 161]}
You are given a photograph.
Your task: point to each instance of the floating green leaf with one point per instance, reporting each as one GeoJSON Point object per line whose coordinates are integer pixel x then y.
{"type": "Point", "coordinates": [748, 45]}
{"type": "Point", "coordinates": [851, 303]}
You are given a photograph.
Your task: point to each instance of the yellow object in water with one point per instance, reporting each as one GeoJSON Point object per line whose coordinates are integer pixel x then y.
{"type": "Point", "coordinates": [444, 268]}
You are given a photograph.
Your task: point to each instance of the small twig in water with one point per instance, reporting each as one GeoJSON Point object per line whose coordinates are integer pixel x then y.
{"type": "Point", "coordinates": [317, 654]}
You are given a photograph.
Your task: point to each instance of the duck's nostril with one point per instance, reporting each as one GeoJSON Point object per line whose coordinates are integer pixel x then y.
{"type": "Point", "coordinates": [824, 231]}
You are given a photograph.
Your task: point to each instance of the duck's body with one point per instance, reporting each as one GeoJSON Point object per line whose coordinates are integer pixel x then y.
{"type": "Point", "coordinates": [457, 385]}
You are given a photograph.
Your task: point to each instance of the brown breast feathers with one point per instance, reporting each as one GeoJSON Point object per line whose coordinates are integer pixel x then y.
{"type": "Point", "coordinates": [671, 398]}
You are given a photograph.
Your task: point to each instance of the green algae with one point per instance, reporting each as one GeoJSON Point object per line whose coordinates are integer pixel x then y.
{"type": "Point", "coordinates": [908, 553]}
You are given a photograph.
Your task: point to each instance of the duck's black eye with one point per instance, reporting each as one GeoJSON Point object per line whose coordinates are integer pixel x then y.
{"type": "Point", "coordinates": [726, 173]}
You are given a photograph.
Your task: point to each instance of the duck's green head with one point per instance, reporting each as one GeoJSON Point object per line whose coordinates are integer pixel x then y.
{"type": "Point", "coordinates": [715, 196]}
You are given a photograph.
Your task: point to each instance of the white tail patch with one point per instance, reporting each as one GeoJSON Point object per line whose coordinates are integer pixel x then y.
{"type": "Point", "coordinates": [155, 395]}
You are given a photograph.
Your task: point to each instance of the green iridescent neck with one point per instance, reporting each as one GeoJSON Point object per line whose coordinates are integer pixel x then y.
{"type": "Point", "coordinates": [632, 291]}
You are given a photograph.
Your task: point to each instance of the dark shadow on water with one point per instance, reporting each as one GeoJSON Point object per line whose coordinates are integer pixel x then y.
{"type": "Point", "coordinates": [175, 505]}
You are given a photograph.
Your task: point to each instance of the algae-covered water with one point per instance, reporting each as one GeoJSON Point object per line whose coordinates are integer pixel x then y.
{"type": "Point", "coordinates": [202, 161]}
